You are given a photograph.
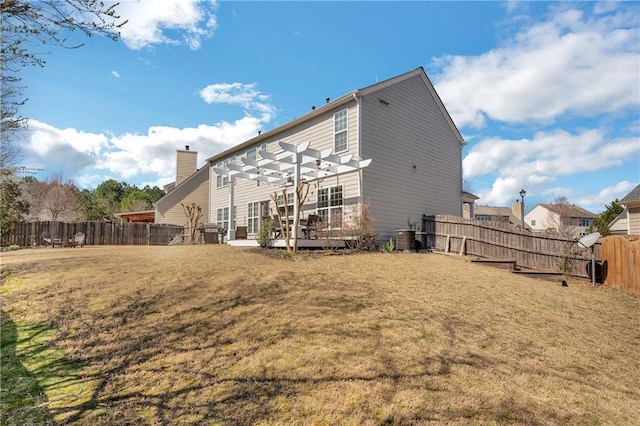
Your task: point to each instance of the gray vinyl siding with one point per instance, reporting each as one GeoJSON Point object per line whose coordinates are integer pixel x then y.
{"type": "Point", "coordinates": [195, 189]}
{"type": "Point", "coordinates": [416, 167]}
{"type": "Point", "coordinates": [319, 132]}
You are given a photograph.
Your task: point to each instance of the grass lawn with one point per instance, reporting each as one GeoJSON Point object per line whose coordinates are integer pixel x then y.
{"type": "Point", "coordinates": [222, 335]}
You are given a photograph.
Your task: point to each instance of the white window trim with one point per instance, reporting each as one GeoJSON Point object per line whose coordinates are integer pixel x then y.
{"type": "Point", "coordinates": [221, 180]}
{"type": "Point", "coordinates": [346, 130]}
{"type": "Point", "coordinates": [253, 222]}
{"type": "Point", "coordinates": [330, 207]}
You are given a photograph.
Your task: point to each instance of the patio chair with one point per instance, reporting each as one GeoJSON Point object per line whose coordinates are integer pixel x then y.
{"type": "Point", "coordinates": [241, 232]}
{"type": "Point", "coordinates": [78, 237]}
{"type": "Point", "coordinates": [48, 241]}
{"type": "Point", "coordinates": [313, 222]}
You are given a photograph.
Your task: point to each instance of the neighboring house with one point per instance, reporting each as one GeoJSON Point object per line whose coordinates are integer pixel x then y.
{"type": "Point", "coordinates": [565, 218]}
{"type": "Point", "coordinates": [140, 216]}
{"type": "Point", "coordinates": [191, 186]}
{"type": "Point", "coordinates": [618, 226]}
{"type": "Point", "coordinates": [631, 202]}
{"type": "Point", "coordinates": [400, 124]}
{"type": "Point", "coordinates": [500, 214]}
{"type": "Point", "coordinates": [468, 204]}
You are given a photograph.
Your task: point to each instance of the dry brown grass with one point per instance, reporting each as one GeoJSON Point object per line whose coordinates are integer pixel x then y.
{"type": "Point", "coordinates": [223, 335]}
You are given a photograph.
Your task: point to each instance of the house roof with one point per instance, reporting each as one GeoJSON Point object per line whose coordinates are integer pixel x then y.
{"type": "Point", "coordinates": [619, 222]}
{"type": "Point", "coordinates": [175, 192]}
{"type": "Point", "coordinates": [343, 100]}
{"type": "Point", "coordinates": [634, 195]}
{"type": "Point", "coordinates": [137, 216]}
{"type": "Point", "coordinates": [569, 210]}
{"type": "Point", "coordinates": [469, 197]}
{"type": "Point", "coordinates": [492, 211]}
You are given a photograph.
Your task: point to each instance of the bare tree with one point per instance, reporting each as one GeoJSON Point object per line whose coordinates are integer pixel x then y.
{"type": "Point", "coordinates": [362, 226]}
{"type": "Point", "coordinates": [301, 194]}
{"type": "Point", "coordinates": [59, 197]}
{"type": "Point", "coordinates": [560, 219]}
{"type": "Point", "coordinates": [27, 27]}
{"type": "Point", "coordinates": [193, 212]}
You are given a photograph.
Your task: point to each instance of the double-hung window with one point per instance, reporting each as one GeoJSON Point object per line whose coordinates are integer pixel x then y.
{"type": "Point", "coordinates": [253, 219]}
{"type": "Point", "coordinates": [281, 207]}
{"type": "Point", "coordinates": [330, 208]}
{"type": "Point", "coordinates": [222, 180]}
{"type": "Point", "coordinates": [251, 153]}
{"type": "Point", "coordinates": [222, 216]}
{"type": "Point", "coordinates": [340, 131]}
{"type": "Point", "coordinates": [223, 220]}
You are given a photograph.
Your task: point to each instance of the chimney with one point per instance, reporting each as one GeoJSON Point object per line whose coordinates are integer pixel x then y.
{"type": "Point", "coordinates": [516, 209]}
{"type": "Point", "coordinates": [186, 164]}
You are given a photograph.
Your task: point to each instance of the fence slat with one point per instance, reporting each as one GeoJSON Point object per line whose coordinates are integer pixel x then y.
{"type": "Point", "coordinates": [27, 234]}
{"type": "Point", "coordinates": [621, 262]}
{"type": "Point", "coordinates": [534, 250]}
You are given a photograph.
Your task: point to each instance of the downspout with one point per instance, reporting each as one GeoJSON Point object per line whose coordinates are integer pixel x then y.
{"type": "Point", "coordinates": [356, 97]}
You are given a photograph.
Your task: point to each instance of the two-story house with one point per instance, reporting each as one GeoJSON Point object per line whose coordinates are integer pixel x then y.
{"type": "Point", "coordinates": [568, 219]}
{"type": "Point", "coordinates": [392, 145]}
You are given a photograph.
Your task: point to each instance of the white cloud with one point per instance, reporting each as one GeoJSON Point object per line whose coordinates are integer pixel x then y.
{"type": "Point", "coordinates": [91, 158]}
{"type": "Point", "coordinates": [608, 194]}
{"type": "Point", "coordinates": [570, 64]}
{"type": "Point", "coordinates": [116, 74]}
{"type": "Point", "coordinates": [244, 95]}
{"type": "Point", "coordinates": [536, 163]}
{"type": "Point", "coordinates": [151, 22]}
{"type": "Point", "coordinates": [60, 149]}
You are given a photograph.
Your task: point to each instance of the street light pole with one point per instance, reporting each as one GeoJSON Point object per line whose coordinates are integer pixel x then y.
{"type": "Point", "coordinates": [522, 194]}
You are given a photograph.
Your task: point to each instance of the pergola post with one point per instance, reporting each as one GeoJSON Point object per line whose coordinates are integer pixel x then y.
{"type": "Point", "coordinates": [231, 231]}
{"type": "Point", "coordinates": [296, 201]}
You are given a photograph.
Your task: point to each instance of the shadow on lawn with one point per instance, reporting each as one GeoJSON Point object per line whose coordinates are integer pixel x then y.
{"type": "Point", "coordinates": [23, 399]}
{"type": "Point", "coordinates": [132, 343]}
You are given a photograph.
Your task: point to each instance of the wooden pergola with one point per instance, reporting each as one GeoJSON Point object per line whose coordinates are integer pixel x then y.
{"type": "Point", "coordinates": [295, 164]}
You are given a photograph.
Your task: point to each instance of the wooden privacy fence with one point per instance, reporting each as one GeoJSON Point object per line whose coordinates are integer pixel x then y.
{"type": "Point", "coordinates": [28, 234]}
{"type": "Point", "coordinates": [534, 250]}
{"type": "Point", "coordinates": [621, 259]}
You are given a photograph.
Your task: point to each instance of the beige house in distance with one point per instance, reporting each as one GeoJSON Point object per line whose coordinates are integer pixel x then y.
{"type": "Point", "coordinates": [191, 186]}
{"type": "Point", "coordinates": [392, 145]}
{"type": "Point", "coordinates": [567, 218]}
{"type": "Point", "coordinates": [631, 202]}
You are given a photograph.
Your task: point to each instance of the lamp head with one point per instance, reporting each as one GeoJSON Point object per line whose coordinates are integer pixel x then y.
{"type": "Point", "coordinates": [523, 193]}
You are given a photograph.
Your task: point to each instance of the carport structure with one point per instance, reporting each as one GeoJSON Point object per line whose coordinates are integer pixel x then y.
{"type": "Point", "coordinates": [294, 165]}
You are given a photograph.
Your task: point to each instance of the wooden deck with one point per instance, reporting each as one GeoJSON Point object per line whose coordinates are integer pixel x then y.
{"type": "Point", "coordinates": [303, 243]}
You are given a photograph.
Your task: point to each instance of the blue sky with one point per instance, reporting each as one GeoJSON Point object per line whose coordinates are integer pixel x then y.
{"type": "Point", "coordinates": [546, 94]}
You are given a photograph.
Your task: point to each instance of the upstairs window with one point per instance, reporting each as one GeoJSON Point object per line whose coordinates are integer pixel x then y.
{"type": "Point", "coordinates": [251, 153]}
{"type": "Point", "coordinates": [222, 180]}
{"type": "Point", "coordinates": [340, 131]}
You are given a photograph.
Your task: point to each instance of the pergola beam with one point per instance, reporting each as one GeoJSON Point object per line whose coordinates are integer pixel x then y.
{"type": "Point", "coordinates": [295, 164]}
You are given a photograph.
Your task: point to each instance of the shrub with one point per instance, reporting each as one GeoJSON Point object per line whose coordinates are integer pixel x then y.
{"type": "Point", "coordinates": [388, 247]}
{"type": "Point", "coordinates": [264, 234]}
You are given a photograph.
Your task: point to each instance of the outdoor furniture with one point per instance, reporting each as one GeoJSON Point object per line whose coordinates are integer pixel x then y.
{"type": "Point", "coordinates": [78, 238]}
{"type": "Point", "coordinates": [313, 222]}
{"type": "Point", "coordinates": [277, 227]}
{"type": "Point", "coordinates": [241, 232]}
{"type": "Point", "coordinates": [48, 241]}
